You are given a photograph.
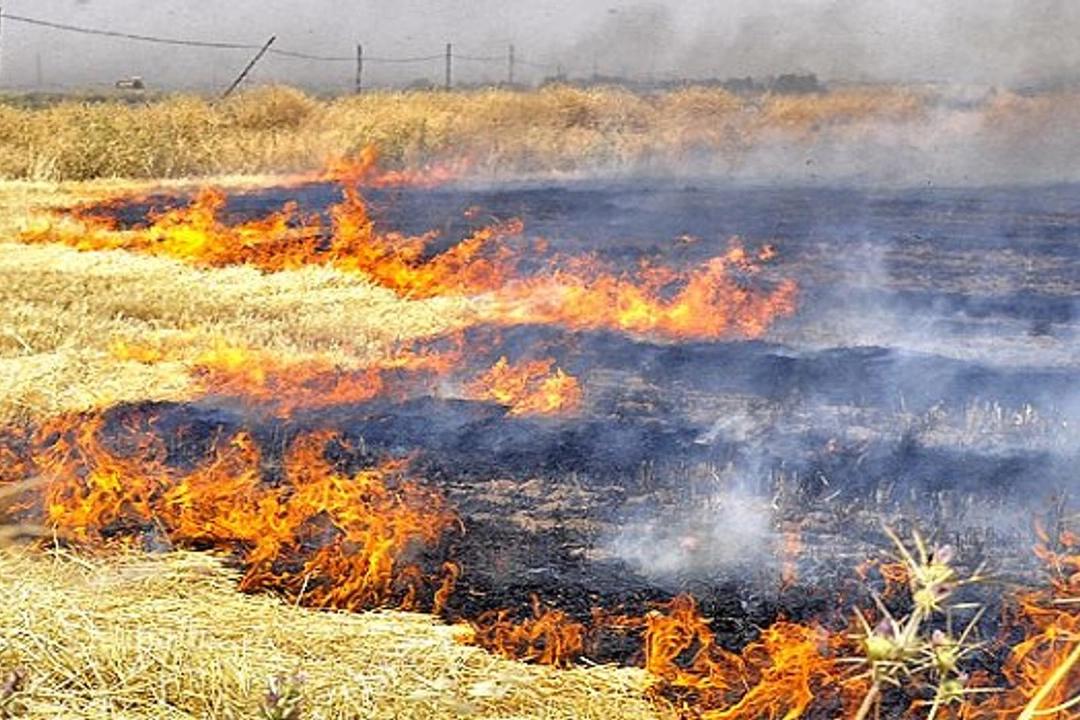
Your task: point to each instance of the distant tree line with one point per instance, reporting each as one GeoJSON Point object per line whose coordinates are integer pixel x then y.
{"type": "Point", "coordinates": [786, 84]}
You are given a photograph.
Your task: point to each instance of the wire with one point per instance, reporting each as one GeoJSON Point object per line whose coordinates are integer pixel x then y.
{"type": "Point", "coordinates": [128, 36]}
{"type": "Point", "coordinates": [292, 54]}
{"type": "Point", "coordinates": [539, 66]}
{"type": "Point", "coordinates": [473, 58]}
{"type": "Point", "coordinates": [425, 58]}
{"type": "Point", "coordinates": [307, 56]}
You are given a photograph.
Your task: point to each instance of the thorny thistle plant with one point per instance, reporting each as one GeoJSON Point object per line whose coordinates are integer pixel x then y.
{"type": "Point", "coordinates": [913, 649]}
{"type": "Point", "coordinates": [283, 700]}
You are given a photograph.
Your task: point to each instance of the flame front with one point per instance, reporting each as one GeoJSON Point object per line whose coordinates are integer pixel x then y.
{"type": "Point", "coordinates": [319, 536]}
{"type": "Point", "coordinates": [1043, 669]}
{"type": "Point", "coordinates": [532, 388]}
{"type": "Point", "coordinates": [550, 636]}
{"type": "Point", "coordinates": [260, 378]}
{"type": "Point", "coordinates": [721, 297]}
{"type": "Point", "coordinates": [779, 675]}
{"type": "Point", "coordinates": [711, 301]}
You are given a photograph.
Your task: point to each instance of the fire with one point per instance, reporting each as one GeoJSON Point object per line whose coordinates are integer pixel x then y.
{"type": "Point", "coordinates": [712, 301]}
{"type": "Point", "coordinates": [550, 636]}
{"type": "Point", "coordinates": [532, 388]}
{"type": "Point", "coordinates": [281, 387]}
{"type": "Point", "coordinates": [789, 671]}
{"type": "Point", "coordinates": [779, 675]}
{"type": "Point", "coordinates": [286, 387]}
{"type": "Point", "coordinates": [1043, 669]}
{"type": "Point", "coordinates": [317, 535]}
{"type": "Point", "coordinates": [301, 526]}
{"type": "Point", "coordinates": [721, 297]}
{"type": "Point", "coordinates": [363, 170]}
{"type": "Point", "coordinates": [286, 240]}
{"type": "Point", "coordinates": [259, 376]}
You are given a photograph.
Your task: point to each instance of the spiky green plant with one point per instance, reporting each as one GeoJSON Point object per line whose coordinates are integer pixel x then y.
{"type": "Point", "coordinates": [283, 699]}
{"type": "Point", "coordinates": [913, 650]}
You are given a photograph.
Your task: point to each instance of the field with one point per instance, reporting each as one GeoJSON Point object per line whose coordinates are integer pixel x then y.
{"type": "Point", "coordinates": [681, 344]}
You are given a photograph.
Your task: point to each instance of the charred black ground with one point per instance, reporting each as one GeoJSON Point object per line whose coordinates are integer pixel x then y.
{"type": "Point", "coordinates": [927, 379]}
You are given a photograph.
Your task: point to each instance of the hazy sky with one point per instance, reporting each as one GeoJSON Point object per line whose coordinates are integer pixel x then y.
{"type": "Point", "coordinates": [981, 41]}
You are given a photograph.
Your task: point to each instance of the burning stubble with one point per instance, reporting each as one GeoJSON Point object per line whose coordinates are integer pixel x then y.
{"type": "Point", "coordinates": [684, 444]}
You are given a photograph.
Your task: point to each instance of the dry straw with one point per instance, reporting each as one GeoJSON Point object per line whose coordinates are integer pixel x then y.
{"type": "Point", "coordinates": [64, 314]}
{"type": "Point", "coordinates": [168, 636]}
{"type": "Point", "coordinates": [280, 129]}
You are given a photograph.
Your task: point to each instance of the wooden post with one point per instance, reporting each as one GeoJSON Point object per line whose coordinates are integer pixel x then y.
{"type": "Point", "coordinates": [510, 67]}
{"type": "Point", "coordinates": [240, 78]}
{"type": "Point", "coordinates": [449, 61]}
{"type": "Point", "coordinates": [359, 69]}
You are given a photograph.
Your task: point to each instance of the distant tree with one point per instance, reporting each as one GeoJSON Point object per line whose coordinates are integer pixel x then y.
{"type": "Point", "coordinates": [792, 84]}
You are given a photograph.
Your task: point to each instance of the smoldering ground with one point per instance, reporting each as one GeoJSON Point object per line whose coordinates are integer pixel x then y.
{"type": "Point", "coordinates": [926, 378]}
{"type": "Point", "coordinates": [928, 375]}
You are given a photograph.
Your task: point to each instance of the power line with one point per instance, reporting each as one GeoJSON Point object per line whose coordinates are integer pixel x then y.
{"type": "Point", "coordinates": [308, 56]}
{"type": "Point", "coordinates": [290, 54]}
{"type": "Point", "coordinates": [128, 36]}
{"type": "Point", "coordinates": [422, 58]}
{"type": "Point", "coordinates": [216, 45]}
{"type": "Point", "coordinates": [475, 58]}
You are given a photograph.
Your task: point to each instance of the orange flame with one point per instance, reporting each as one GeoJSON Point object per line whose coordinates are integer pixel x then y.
{"type": "Point", "coordinates": [1043, 669]}
{"type": "Point", "coordinates": [779, 675]}
{"type": "Point", "coordinates": [286, 240]}
{"type": "Point", "coordinates": [319, 537]}
{"type": "Point", "coordinates": [532, 388]}
{"type": "Point", "coordinates": [282, 387]}
{"type": "Point", "coordinates": [312, 383]}
{"type": "Point", "coordinates": [363, 170]}
{"type": "Point", "coordinates": [716, 299]}
{"type": "Point", "coordinates": [550, 637]}
{"type": "Point", "coordinates": [711, 301]}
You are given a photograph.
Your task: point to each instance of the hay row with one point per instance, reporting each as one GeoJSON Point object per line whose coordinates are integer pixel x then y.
{"type": "Point", "coordinates": [168, 636]}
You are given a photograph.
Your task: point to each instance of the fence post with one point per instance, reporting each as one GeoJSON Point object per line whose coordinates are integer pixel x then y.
{"type": "Point", "coordinates": [240, 78]}
{"type": "Point", "coordinates": [510, 67]}
{"type": "Point", "coordinates": [359, 69]}
{"type": "Point", "coordinates": [449, 61]}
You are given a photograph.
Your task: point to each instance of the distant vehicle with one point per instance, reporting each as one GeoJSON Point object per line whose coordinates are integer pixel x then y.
{"type": "Point", "coordinates": [132, 83]}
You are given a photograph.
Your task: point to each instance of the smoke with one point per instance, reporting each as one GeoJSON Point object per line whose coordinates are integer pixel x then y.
{"type": "Point", "coordinates": [1002, 42]}
{"type": "Point", "coordinates": [632, 41]}
{"type": "Point", "coordinates": [725, 532]}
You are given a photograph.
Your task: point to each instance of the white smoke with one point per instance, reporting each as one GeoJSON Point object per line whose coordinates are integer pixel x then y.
{"type": "Point", "coordinates": [726, 531]}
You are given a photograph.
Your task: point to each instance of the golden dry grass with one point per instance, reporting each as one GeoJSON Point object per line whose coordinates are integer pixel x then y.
{"type": "Point", "coordinates": [280, 129]}
{"type": "Point", "coordinates": [809, 113]}
{"type": "Point", "coordinates": [168, 636]}
{"type": "Point", "coordinates": [64, 314]}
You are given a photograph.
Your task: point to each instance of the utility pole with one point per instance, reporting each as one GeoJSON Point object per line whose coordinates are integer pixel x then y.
{"type": "Point", "coordinates": [449, 61]}
{"type": "Point", "coordinates": [240, 78]}
{"type": "Point", "coordinates": [510, 67]}
{"type": "Point", "coordinates": [359, 69]}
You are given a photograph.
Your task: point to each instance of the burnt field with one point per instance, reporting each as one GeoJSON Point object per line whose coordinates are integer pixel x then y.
{"type": "Point", "coordinates": [926, 377]}
{"type": "Point", "coordinates": [922, 378]}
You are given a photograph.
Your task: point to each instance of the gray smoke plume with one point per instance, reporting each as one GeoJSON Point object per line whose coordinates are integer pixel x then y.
{"type": "Point", "coordinates": [1001, 42]}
